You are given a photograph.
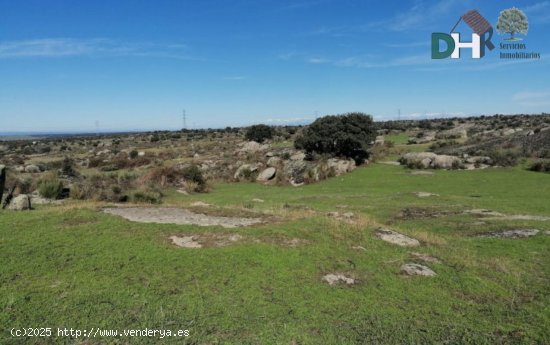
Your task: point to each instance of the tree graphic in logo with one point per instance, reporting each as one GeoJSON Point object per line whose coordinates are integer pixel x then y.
{"type": "Point", "coordinates": [513, 21]}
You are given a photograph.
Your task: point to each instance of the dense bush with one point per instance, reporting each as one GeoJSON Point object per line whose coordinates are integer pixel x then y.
{"type": "Point", "coordinates": [189, 177]}
{"type": "Point", "coordinates": [346, 135]}
{"type": "Point", "coordinates": [147, 196]}
{"type": "Point", "coordinates": [259, 133]}
{"type": "Point", "coordinates": [67, 168]}
{"type": "Point", "coordinates": [540, 166]}
{"type": "Point", "coordinates": [50, 188]}
{"type": "Point", "coordinates": [504, 157]}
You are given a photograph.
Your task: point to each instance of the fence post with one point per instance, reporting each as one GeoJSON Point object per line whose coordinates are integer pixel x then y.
{"type": "Point", "coordinates": [2, 181]}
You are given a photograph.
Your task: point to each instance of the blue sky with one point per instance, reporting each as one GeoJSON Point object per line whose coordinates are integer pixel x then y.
{"type": "Point", "coordinates": [134, 65]}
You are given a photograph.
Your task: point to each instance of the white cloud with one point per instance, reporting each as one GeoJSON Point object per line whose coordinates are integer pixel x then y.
{"type": "Point", "coordinates": [537, 98]}
{"type": "Point", "coordinates": [317, 60]}
{"type": "Point", "coordinates": [67, 47]}
{"type": "Point", "coordinates": [237, 77]}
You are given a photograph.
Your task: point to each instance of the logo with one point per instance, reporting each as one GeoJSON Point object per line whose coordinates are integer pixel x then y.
{"type": "Point", "coordinates": [511, 22]}
{"type": "Point", "coordinates": [481, 38]}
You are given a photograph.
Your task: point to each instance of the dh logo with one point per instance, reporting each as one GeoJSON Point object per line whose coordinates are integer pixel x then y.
{"type": "Point", "coordinates": [481, 38]}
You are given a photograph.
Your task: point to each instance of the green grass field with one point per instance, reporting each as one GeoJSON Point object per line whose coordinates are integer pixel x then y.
{"type": "Point", "coordinates": [73, 266]}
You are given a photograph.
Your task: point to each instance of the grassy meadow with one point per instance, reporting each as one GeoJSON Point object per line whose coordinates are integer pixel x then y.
{"type": "Point", "coordinates": [73, 266]}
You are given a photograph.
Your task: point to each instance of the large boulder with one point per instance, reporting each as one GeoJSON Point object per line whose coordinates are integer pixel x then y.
{"type": "Point", "coordinates": [446, 162]}
{"type": "Point", "coordinates": [267, 174]}
{"type": "Point", "coordinates": [295, 171]}
{"type": "Point", "coordinates": [418, 159]}
{"type": "Point", "coordinates": [341, 166]}
{"type": "Point", "coordinates": [20, 203]}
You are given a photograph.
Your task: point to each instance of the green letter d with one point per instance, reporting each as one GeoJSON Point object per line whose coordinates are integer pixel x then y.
{"type": "Point", "coordinates": [436, 51]}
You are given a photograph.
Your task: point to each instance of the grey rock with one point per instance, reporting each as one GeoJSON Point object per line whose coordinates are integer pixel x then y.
{"type": "Point", "coordinates": [31, 168]}
{"type": "Point", "coordinates": [267, 174]}
{"type": "Point", "coordinates": [394, 237]}
{"type": "Point", "coordinates": [335, 278]}
{"type": "Point", "coordinates": [20, 203]}
{"type": "Point", "coordinates": [416, 269]}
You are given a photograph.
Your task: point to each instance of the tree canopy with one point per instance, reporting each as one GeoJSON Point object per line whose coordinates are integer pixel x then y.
{"type": "Point", "coordinates": [512, 21]}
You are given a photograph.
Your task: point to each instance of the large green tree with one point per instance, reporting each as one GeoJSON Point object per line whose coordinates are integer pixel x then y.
{"type": "Point", "coordinates": [346, 135]}
{"type": "Point", "coordinates": [512, 21]}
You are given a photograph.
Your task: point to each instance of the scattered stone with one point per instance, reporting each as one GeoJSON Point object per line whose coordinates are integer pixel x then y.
{"type": "Point", "coordinates": [182, 191]}
{"type": "Point", "coordinates": [252, 147]}
{"type": "Point", "coordinates": [167, 215]}
{"type": "Point", "coordinates": [483, 212]}
{"type": "Point", "coordinates": [200, 204]}
{"type": "Point", "coordinates": [341, 166]}
{"type": "Point", "coordinates": [20, 203]}
{"type": "Point", "coordinates": [298, 156]}
{"type": "Point", "coordinates": [390, 163]}
{"type": "Point", "coordinates": [379, 140]}
{"type": "Point", "coordinates": [359, 248]}
{"type": "Point", "coordinates": [257, 200]}
{"type": "Point", "coordinates": [547, 232]}
{"type": "Point", "coordinates": [421, 172]}
{"type": "Point", "coordinates": [425, 194]}
{"type": "Point", "coordinates": [394, 237]}
{"type": "Point", "coordinates": [425, 257]}
{"type": "Point", "coordinates": [416, 269]}
{"type": "Point", "coordinates": [267, 174]}
{"type": "Point", "coordinates": [32, 169]}
{"type": "Point", "coordinates": [186, 241]}
{"type": "Point", "coordinates": [335, 278]}
{"type": "Point", "coordinates": [493, 215]}
{"type": "Point", "coordinates": [348, 215]}
{"type": "Point", "coordinates": [141, 154]}
{"type": "Point", "coordinates": [519, 233]}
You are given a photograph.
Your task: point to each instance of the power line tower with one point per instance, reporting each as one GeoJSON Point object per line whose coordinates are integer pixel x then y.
{"type": "Point", "coordinates": [184, 119]}
{"type": "Point", "coordinates": [398, 114]}
{"type": "Point", "coordinates": [96, 127]}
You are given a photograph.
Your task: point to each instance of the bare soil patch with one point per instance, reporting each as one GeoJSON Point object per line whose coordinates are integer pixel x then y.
{"type": "Point", "coordinates": [425, 258]}
{"type": "Point", "coordinates": [205, 240]}
{"type": "Point", "coordinates": [424, 212]}
{"type": "Point", "coordinates": [493, 215]}
{"type": "Point", "coordinates": [518, 233]}
{"type": "Point", "coordinates": [169, 215]}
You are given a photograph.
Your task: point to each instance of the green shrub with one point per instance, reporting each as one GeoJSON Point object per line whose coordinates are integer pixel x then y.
{"type": "Point", "coordinates": [50, 188]}
{"type": "Point", "coordinates": [133, 154]}
{"type": "Point", "coordinates": [67, 168]}
{"type": "Point", "coordinates": [346, 135]}
{"type": "Point", "coordinates": [504, 157]}
{"type": "Point", "coordinates": [259, 133]}
{"type": "Point", "coordinates": [147, 196]}
{"type": "Point", "coordinates": [540, 166]}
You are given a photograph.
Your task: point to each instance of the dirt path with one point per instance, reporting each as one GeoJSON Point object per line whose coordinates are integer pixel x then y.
{"type": "Point", "coordinates": [169, 215]}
